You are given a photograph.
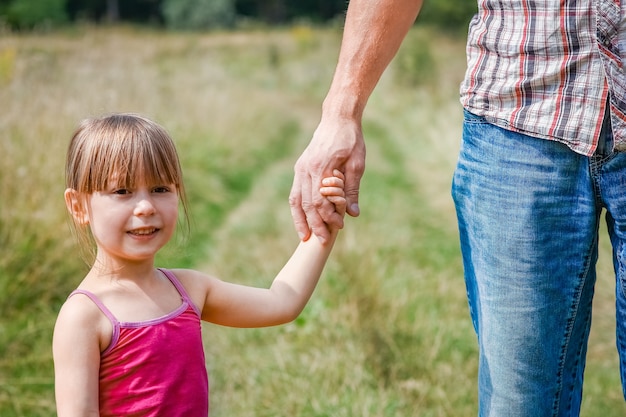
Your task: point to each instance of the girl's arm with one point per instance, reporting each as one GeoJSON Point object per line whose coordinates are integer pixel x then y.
{"type": "Point", "coordinates": [241, 306]}
{"type": "Point", "coordinates": [236, 305]}
{"type": "Point", "coordinates": [76, 351]}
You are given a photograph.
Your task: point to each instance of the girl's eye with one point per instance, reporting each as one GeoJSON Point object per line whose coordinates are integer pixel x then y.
{"type": "Point", "coordinates": [161, 189]}
{"type": "Point", "coordinates": [121, 191]}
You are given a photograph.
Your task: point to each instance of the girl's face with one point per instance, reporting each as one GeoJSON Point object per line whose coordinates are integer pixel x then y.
{"type": "Point", "coordinates": [131, 225]}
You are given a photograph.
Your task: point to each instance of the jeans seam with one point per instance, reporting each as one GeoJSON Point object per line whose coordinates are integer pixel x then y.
{"type": "Point", "coordinates": [620, 269]}
{"type": "Point", "coordinates": [619, 281]}
{"type": "Point", "coordinates": [574, 309]}
{"type": "Point", "coordinates": [594, 167]}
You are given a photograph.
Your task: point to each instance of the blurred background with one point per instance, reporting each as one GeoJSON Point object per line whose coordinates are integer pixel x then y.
{"type": "Point", "coordinates": [239, 85]}
{"type": "Point", "coordinates": [203, 14]}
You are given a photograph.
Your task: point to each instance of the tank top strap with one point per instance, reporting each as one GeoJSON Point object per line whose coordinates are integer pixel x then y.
{"type": "Point", "coordinates": [114, 322]}
{"type": "Point", "coordinates": [181, 289]}
{"type": "Point", "coordinates": [97, 302]}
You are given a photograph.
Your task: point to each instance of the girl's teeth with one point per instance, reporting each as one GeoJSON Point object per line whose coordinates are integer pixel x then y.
{"type": "Point", "coordinates": [143, 232]}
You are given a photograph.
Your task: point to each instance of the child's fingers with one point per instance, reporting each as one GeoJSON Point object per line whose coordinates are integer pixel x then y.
{"type": "Point", "coordinates": [332, 191]}
{"type": "Point", "coordinates": [339, 174]}
{"type": "Point", "coordinates": [333, 182]}
{"type": "Point", "coordinates": [339, 202]}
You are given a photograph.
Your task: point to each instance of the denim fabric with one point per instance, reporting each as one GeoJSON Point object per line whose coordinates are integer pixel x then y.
{"type": "Point", "coordinates": [528, 212]}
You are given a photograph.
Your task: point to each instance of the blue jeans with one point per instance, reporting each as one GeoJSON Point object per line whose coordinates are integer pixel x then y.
{"type": "Point", "coordinates": [528, 212]}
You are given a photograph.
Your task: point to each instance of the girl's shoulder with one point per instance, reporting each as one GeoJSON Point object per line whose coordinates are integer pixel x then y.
{"type": "Point", "coordinates": [192, 279]}
{"type": "Point", "coordinates": [81, 316]}
{"type": "Point", "coordinates": [197, 284]}
{"type": "Point", "coordinates": [80, 307]}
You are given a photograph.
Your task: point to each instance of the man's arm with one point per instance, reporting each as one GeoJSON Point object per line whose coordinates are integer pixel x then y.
{"type": "Point", "coordinates": [374, 30]}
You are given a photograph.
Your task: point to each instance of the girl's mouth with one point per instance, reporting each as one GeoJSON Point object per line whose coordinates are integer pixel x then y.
{"type": "Point", "coordinates": [143, 232]}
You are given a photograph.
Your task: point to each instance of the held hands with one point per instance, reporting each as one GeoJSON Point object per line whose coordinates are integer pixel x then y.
{"type": "Point", "coordinates": [333, 189]}
{"type": "Point", "coordinates": [337, 146]}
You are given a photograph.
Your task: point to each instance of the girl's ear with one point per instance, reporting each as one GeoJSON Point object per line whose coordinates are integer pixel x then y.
{"type": "Point", "coordinates": [76, 205]}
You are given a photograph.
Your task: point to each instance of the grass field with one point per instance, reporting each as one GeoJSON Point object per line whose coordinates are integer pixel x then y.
{"type": "Point", "coordinates": [387, 332]}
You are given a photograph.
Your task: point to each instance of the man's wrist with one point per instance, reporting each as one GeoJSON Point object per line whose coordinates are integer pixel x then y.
{"type": "Point", "coordinates": [344, 105]}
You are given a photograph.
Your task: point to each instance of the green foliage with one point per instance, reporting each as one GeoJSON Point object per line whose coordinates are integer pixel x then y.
{"type": "Point", "coordinates": [29, 14]}
{"type": "Point", "coordinates": [449, 15]}
{"type": "Point", "coordinates": [198, 14]}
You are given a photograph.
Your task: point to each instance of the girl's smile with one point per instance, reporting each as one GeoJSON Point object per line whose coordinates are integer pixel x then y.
{"type": "Point", "coordinates": [133, 224]}
{"type": "Point", "coordinates": [143, 232]}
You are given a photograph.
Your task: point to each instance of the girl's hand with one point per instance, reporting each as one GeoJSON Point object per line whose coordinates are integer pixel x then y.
{"type": "Point", "coordinates": [333, 189]}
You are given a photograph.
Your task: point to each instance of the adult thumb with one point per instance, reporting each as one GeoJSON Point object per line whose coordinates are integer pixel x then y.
{"type": "Point", "coordinates": [352, 195]}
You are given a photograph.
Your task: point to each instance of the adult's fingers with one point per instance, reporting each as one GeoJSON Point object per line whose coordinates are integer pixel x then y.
{"type": "Point", "coordinates": [319, 211]}
{"type": "Point", "coordinates": [297, 213]}
{"type": "Point", "coordinates": [353, 173]}
{"type": "Point", "coordinates": [339, 203]}
{"type": "Point", "coordinates": [325, 210]}
{"type": "Point", "coordinates": [308, 208]}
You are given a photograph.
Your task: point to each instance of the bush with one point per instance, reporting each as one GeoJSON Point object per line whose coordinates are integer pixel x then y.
{"type": "Point", "coordinates": [29, 14]}
{"type": "Point", "coordinates": [450, 15]}
{"type": "Point", "coordinates": [198, 14]}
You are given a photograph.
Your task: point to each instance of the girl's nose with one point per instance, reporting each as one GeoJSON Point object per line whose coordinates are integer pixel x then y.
{"type": "Point", "coordinates": [144, 207]}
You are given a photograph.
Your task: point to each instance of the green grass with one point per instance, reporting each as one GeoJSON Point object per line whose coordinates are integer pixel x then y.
{"type": "Point", "coordinates": [387, 332]}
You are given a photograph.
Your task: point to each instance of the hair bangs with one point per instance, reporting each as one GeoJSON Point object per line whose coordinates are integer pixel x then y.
{"type": "Point", "coordinates": [122, 150]}
{"type": "Point", "coordinates": [140, 159]}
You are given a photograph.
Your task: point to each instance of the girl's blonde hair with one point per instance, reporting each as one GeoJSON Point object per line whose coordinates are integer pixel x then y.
{"type": "Point", "coordinates": [122, 147]}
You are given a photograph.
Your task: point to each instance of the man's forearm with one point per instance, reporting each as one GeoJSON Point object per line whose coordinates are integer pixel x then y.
{"type": "Point", "coordinates": [373, 32]}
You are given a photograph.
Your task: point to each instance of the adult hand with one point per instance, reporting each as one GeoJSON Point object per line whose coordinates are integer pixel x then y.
{"type": "Point", "coordinates": [337, 143]}
{"type": "Point", "coordinates": [373, 32]}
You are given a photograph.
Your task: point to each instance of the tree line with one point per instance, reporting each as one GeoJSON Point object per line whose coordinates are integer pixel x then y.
{"type": "Point", "coordinates": [204, 14]}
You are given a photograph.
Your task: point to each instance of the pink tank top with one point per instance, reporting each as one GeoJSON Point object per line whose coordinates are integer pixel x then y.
{"type": "Point", "coordinates": [155, 367]}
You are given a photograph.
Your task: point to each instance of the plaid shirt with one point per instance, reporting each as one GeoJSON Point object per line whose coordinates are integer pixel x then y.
{"type": "Point", "coordinates": [547, 68]}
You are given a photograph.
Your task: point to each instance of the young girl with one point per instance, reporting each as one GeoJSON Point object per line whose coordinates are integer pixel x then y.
{"type": "Point", "coordinates": [127, 342]}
